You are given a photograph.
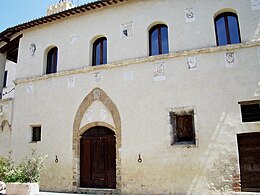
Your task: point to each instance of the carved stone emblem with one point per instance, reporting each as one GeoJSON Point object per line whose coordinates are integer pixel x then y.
{"type": "Point", "coordinates": [71, 82]}
{"type": "Point", "coordinates": [96, 94]}
{"type": "Point", "coordinates": [230, 59]}
{"type": "Point", "coordinates": [29, 89]}
{"type": "Point", "coordinates": [90, 115]}
{"type": "Point", "coordinates": [127, 29]}
{"type": "Point", "coordinates": [103, 114]}
{"type": "Point", "coordinates": [97, 77]}
{"type": "Point", "coordinates": [159, 72]}
{"type": "Point", "coordinates": [32, 49]}
{"type": "Point", "coordinates": [255, 4]}
{"type": "Point", "coordinates": [192, 63]}
{"type": "Point", "coordinates": [189, 15]}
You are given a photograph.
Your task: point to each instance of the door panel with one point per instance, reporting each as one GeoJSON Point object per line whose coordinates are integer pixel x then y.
{"type": "Point", "coordinates": [111, 162]}
{"type": "Point", "coordinates": [249, 159]}
{"type": "Point", "coordinates": [98, 162]}
{"type": "Point", "coordinates": [98, 159]}
{"type": "Point", "coordinates": [85, 175]}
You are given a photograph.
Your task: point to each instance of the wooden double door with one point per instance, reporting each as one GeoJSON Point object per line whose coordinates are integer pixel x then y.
{"type": "Point", "coordinates": [98, 158]}
{"type": "Point", "coordinates": [249, 160]}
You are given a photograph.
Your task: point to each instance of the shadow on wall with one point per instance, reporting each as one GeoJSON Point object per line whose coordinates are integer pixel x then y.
{"type": "Point", "coordinates": [257, 91]}
{"type": "Point", "coordinates": [256, 36]}
{"type": "Point", "coordinates": [220, 166]}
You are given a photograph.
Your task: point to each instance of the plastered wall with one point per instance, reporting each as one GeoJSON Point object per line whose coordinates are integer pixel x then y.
{"type": "Point", "coordinates": [144, 90]}
{"type": "Point", "coordinates": [74, 36]}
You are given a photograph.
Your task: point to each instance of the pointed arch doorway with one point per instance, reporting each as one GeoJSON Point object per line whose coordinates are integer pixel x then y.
{"type": "Point", "coordinates": [80, 128]}
{"type": "Point", "coordinates": [98, 158]}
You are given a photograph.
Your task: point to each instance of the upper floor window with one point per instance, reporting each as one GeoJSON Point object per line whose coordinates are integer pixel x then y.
{"type": "Point", "coordinates": [100, 51]}
{"type": "Point", "coordinates": [52, 59]}
{"type": "Point", "coordinates": [227, 28]}
{"type": "Point", "coordinates": [158, 40]}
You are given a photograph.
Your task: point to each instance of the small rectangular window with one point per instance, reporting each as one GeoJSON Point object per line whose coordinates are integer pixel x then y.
{"type": "Point", "coordinates": [5, 79]}
{"type": "Point", "coordinates": [250, 111]}
{"type": "Point", "coordinates": [36, 133]}
{"type": "Point", "coordinates": [183, 130]}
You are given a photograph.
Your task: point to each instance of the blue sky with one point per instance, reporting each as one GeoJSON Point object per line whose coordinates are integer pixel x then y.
{"type": "Point", "coordinates": [15, 12]}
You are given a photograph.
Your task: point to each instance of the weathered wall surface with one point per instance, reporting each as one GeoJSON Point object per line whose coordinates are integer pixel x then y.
{"type": "Point", "coordinates": [6, 117]}
{"type": "Point", "coordinates": [143, 95]}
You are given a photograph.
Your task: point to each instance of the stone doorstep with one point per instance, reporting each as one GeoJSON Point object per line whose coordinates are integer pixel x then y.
{"type": "Point", "coordinates": [98, 191]}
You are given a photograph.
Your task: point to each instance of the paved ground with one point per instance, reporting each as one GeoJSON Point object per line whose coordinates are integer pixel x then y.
{"type": "Point", "coordinates": [50, 193]}
{"type": "Point", "coordinates": [53, 193]}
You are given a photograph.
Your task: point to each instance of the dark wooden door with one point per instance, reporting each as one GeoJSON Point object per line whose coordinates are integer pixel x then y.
{"type": "Point", "coordinates": [249, 160]}
{"type": "Point", "coordinates": [98, 159]}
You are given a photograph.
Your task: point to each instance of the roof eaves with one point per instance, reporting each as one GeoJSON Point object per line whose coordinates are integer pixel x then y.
{"type": "Point", "coordinates": [6, 34]}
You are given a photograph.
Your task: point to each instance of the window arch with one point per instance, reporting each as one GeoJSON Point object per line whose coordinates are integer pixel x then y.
{"type": "Point", "coordinates": [227, 28]}
{"type": "Point", "coordinates": [100, 51]}
{"type": "Point", "coordinates": [158, 40]}
{"type": "Point", "coordinates": [52, 60]}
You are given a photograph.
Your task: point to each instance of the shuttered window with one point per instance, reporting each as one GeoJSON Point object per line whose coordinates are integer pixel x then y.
{"type": "Point", "coordinates": [183, 127]}
{"type": "Point", "coordinates": [250, 111]}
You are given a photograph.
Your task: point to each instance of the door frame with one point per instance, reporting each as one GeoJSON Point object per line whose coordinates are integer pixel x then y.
{"type": "Point", "coordinates": [96, 94]}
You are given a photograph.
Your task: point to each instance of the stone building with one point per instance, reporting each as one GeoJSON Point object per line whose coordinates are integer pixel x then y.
{"type": "Point", "coordinates": [137, 96]}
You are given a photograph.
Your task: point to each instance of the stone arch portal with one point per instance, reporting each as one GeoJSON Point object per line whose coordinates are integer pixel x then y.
{"type": "Point", "coordinates": [96, 94]}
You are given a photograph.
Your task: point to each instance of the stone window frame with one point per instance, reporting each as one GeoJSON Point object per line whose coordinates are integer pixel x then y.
{"type": "Point", "coordinates": [191, 110]}
{"type": "Point", "coordinates": [34, 138]}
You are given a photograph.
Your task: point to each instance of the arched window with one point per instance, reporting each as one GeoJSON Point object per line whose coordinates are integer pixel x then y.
{"type": "Point", "coordinates": [52, 59]}
{"type": "Point", "coordinates": [158, 40]}
{"type": "Point", "coordinates": [227, 28]}
{"type": "Point", "coordinates": [100, 51]}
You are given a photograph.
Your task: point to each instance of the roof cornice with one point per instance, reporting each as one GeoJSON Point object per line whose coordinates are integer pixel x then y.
{"type": "Point", "coordinates": [9, 32]}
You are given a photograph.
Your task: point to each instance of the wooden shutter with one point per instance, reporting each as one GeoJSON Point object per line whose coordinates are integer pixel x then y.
{"type": "Point", "coordinates": [184, 128]}
{"type": "Point", "coordinates": [111, 162]}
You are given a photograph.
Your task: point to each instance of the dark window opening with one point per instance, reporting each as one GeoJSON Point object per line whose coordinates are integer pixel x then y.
{"type": "Point", "coordinates": [36, 134]}
{"type": "Point", "coordinates": [227, 29]}
{"type": "Point", "coordinates": [158, 40]}
{"type": "Point", "coordinates": [250, 111]}
{"type": "Point", "coordinates": [52, 59]}
{"type": "Point", "coordinates": [183, 130]}
{"type": "Point", "coordinates": [5, 79]}
{"type": "Point", "coordinates": [100, 51]}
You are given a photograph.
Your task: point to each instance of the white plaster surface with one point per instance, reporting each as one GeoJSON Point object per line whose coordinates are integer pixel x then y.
{"type": "Point", "coordinates": [143, 104]}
